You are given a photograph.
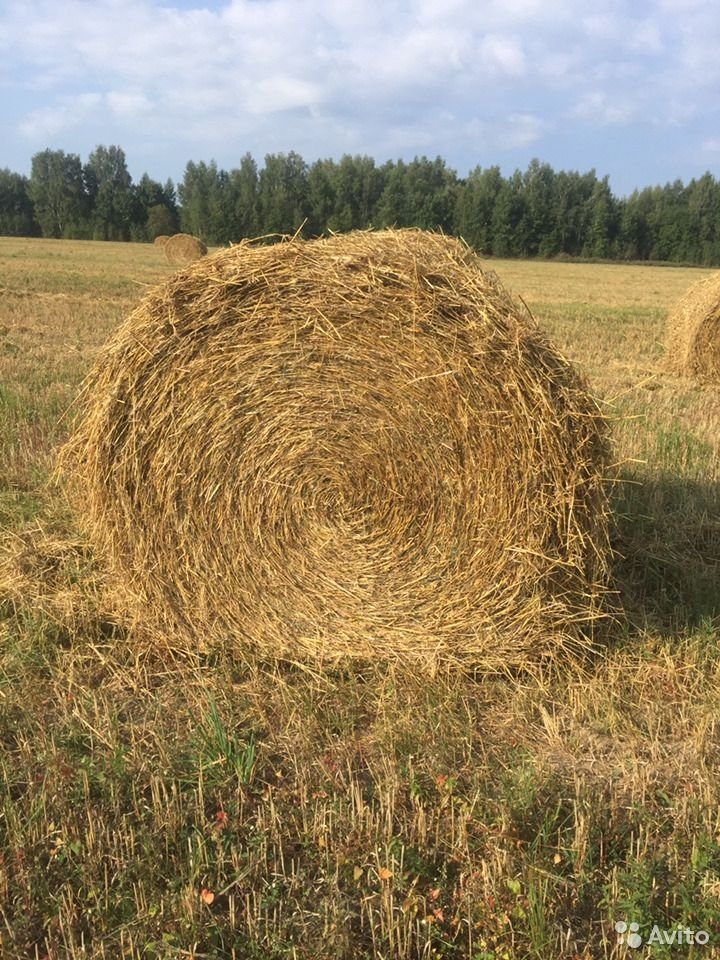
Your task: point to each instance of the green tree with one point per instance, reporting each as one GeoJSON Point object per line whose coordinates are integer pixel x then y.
{"type": "Point", "coordinates": [537, 231]}
{"type": "Point", "coordinates": [195, 193]}
{"type": "Point", "coordinates": [602, 222]}
{"type": "Point", "coordinates": [393, 207]}
{"type": "Point", "coordinates": [475, 207]}
{"type": "Point", "coordinates": [244, 185]}
{"type": "Point", "coordinates": [538, 212]}
{"type": "Point", "coordinates": [17, 217]}
{"type": "Point", "coordinates": [160, 222]}
{"type": "Point", "coordinates": [431, 194]}
{"type": "Point", "coordinates": [283, 193]}
{"type": "Point", "coordinates": [703, 201]}
{"type": "Point", "coordinates": [422, 193]}
{"type": "Point", "coordinates": [57, 191]}
{"type": "Point", "coordinates": [358, 186]}
{"type": "Point", "coordinates": [370, 186]}
{"type": "Point", "coordinates": [572, 200]}
{"type": "Point", "coordinates": [222, 199]}
{"type": "Point", "coordinates": [154, 209]}
{"type": "Point", "coordinates": [343, 196]}
{"type": "Point", "coordinates": [507, 217]}
{"type": "Point", "coordinates": [218, 206]}
{"type": "Point", "coordinates": [109, 188]}
{"type": "Point", "coordinates": [668, 222]}
{"type": "Point", "coordinates": [321, 197]}
{"type": "Point", "coordinates": [634, 235]}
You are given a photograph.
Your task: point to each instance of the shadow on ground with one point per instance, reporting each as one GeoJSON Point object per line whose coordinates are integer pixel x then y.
{"type": "Point", "coordinates": [667, 541]}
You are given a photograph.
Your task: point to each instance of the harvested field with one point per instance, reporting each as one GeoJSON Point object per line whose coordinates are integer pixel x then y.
{"type": "Point", "coordinates": [160, 804]}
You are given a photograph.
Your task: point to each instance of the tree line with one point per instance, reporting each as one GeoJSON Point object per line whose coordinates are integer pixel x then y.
{"type": "Point", "coordinates": [531, 213]}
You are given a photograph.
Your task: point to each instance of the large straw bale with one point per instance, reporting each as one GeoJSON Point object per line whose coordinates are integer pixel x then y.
{"type": "Point", "coordinates": [693, 332]}
{"type": "Point", "coordinates": [349, 447]}
{"type": "Point", "coordinates": [182, 248]}
{"type": "Point", "coordinates": [161, 240]}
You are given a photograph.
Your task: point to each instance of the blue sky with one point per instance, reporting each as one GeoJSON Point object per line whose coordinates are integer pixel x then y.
{"type": "Point", "coordinates": [629, 88]}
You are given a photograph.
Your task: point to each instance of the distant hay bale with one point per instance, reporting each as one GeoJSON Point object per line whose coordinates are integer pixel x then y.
{"type": "Point", "coordinates": [348, 447]}
{"type": "Point", "coordinates": [693, 332]}
{"type": "Point", "coordinates": [182, 248]}
{"type": "Point", "coordinates": [161, 240]}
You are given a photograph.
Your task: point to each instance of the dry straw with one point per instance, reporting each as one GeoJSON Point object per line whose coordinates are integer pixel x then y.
{"type": "Point", "coordinates": [182, 248]}
{"type": "Point", "coordinates": [350, 447]}
{"type": "Point", "coordinates": [693, 337]}
{"type": "Point", "coordinates": [161, 240]}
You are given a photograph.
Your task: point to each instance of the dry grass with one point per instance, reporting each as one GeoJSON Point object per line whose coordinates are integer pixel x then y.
{"type": "Point", "coordinates": [400, 464]}
{"type": "Point", "coordinates": [182, 248]}
{"type": "Point", "coordinates": [693, 336]}
{"type": "Point", "coordinates": [155, 806]}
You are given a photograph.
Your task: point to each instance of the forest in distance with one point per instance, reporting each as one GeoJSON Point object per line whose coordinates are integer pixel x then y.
{"type": "Point", "coordinates": [539, 212]}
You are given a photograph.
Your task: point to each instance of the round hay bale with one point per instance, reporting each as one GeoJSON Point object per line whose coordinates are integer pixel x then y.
{"type": "Point", "coordinates": [348, 447]}
{"type": "Point", "coordinates": [693, 332]}
{"type": "Point", "coordinates": [182, 248]}
{"type": "Point", "coordinates": [161, 240]}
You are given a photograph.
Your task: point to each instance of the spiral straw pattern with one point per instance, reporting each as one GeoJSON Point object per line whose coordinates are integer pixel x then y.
{"type": "Point", "coordinates": [182, 248]}
{"type": "Point", "coordinates": [693, 332]}
{"type": "Point", "coordinates": [357, 446]}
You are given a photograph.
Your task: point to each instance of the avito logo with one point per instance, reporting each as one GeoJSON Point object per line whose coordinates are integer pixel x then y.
{"type": "Point", "coordinates": [681, 936]}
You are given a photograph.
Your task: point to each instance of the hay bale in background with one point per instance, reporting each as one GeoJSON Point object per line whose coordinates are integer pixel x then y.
{"type": "Point", "coordinates": [350, 447]}
{"type": "Point", "coordinates": [693, 332]}
{"type": "Point", "coordinates": [181, 248]}
{"type": "Point", "coordinates": [160, 240]}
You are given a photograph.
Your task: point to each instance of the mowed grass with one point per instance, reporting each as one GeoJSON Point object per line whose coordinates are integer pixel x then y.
{"type": "Point", "coordinates": [154, 805]}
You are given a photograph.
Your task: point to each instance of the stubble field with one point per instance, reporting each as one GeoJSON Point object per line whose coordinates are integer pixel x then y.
{"type": "Point", "coordinates": [154, 805]}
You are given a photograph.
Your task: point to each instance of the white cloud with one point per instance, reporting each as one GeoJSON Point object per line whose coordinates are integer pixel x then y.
{"type": "Point", "coordinates": [128, 104]}
{"type": "Point", "coordinates": [597, 108]}
{"type": "Point", "coordinates": [323, 76]}
{"type": "Point", "coordinates": [561, 67]}
{"type": "Point", "coordinates": [641, 36]}
{"type": "Point", "coordinates": [506, 133]}
{"type": "Point", "coordinates": [601, 25]}
{"type": "Point", "coordinates": [47, 122]}
{"type": "Point", "coordinates": [646, 37]}
{"type": "Point", "coordinates": [673, 7]}
{"type": "Point", "coordinates": [283, 92]}
{"type": "Point", "coordinates": [521, 130]}
{"type": "Point", "coordinates": [503, 55]}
